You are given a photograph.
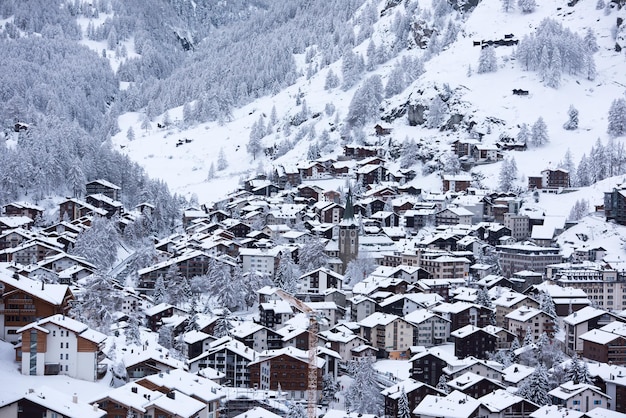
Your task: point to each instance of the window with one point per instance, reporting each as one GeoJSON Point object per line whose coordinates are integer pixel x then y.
{"type": "Point", "coordinates": [597, 402]}
{"type": "Point", "coordinates": [67, 356]}
{"type": "Point", "coordinates": [576, 402]}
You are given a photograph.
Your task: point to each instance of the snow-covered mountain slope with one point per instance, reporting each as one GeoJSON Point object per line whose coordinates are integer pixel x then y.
{"type": "Point", "coordinates": [480, 97]}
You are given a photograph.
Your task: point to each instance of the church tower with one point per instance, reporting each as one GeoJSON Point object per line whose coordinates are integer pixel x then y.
{"type": "Point", "coordinates": [348, 235]}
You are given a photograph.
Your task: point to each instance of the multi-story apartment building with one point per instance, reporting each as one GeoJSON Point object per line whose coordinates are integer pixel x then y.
{"type": "Point", "coordinates": [518, 257]}
{"type": "Point", "coordinates": [24, 301]}
{"type": "Point", "coordinates": [518, 224]}
{"type": "Point", "coordinates": [582, 321]}
{"type": "Point", "coordinates": [227, 356]}
{"type": "Point", "coordinates": [389, 333]}
{"type": "Point", "coordinates": [429, 328]}
{"type": "Point", "coordinates": [521, 319]}
{"type": "Point", "coordinates": [605, 287]}
{"type": "Point", "coordinates": [61, 345]}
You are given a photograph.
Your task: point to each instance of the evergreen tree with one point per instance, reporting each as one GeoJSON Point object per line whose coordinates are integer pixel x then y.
{"type": "Point", "coordinates": [404, 411]}
{"type": "Point", "coordinates": [132, 332]}
{"type": "Point", "coordinates": [329, 387]}
{"type": "Point", "coordinates": [395, 82]}
{"type": "Point", "coordinates": [211, 174]}
{"type": "Point", "coordinates": [254, 145]}
{"type": "Point", "coordinates": [451, 163]}
{"type": "Point", "coordinates": [508, 174]}
{"type": "Point", "coordinates": [363, 396]}
{"type": "Point", "coordinates": [523, 136]}
{"type": "Point", "coordinates": [554, 72]}
{"type": "Point", "coordinates": [332, 80]}
{"type": "Point", "coordinates": [546, 304]}
{"type": "Point", "coordinates": [617, 118]}
{"type": "Point", "coordinates": [159, 295]}
{"type": "Point", "coordinates": [442, 384]}
{"type": "Point", "coordinates": [572, 122]}
{"type": "Point", "coordinates": [358, 269]}
{"type": "Point", "coordinates": [166, 337]}
{"type": "Point", "coordinates": [312, 256]}
{"type": "Point", "coordinates": [527, 6]}
{"type": "Point", "coordinates": [597, 170]}
{"type": "Point", "coordinates": [365, 103]}
{"type": "Point", "coordinates": [487, 62]}
{"type": "Point", "coordinates": [286, 277]}
{"type": "Point", "coordinates": [130, 134]}
{"type": "Point", "coordinates": [508, 5]}
{"type": "Point", "coordinates": [528, 338]}
{"type": "Point", "coordinates": [590, 40]}
{"type": "Point", "coordinates": [223, 325]}
{"type": "Point", "coordinates": [222, 163]}
{"type": "Point", "coordinates": [436, 113]}
{"type": "Point", "coordinates": [295, 410]}
{"type": "Point", "coordinates": [539, 133]}
{"type": "Point", "coordinates": [583, 176]}
{"type": "Point", "coordinates": [98, 244]}
{"type": "Point", "coordinates": [98, 303]}
{"type": "Point", "coordinates": [536, 387]}
{"type": "Point", "coordinates": [410, 151]}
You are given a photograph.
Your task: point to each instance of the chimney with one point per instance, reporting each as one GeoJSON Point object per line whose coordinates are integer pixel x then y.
{"type": "Point", "coordinates": [133, 389]}
{"type": "Point", "coordinates": [75, 396]}
{"type": "Point", "coordinates": [171, 395]}
{"type": "Point", "coordinates": [42, 285]}
{"type": "Point", "coordinates": [31, 390]}
{"type": "Point", "coordinates": [95, 407]}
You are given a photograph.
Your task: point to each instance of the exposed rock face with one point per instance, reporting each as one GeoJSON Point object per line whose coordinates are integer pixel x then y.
{"type": "Point", "coordinates": [453, 123]}
{"type": "Point", "coordinates": [415, 114]}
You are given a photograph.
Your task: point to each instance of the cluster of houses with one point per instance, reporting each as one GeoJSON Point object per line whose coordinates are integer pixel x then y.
{"type": "Point", "coordinates": [421, 296]}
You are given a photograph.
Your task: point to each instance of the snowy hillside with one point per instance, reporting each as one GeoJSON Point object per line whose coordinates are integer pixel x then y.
{"type": "Point", "coordinates": [480, 96]}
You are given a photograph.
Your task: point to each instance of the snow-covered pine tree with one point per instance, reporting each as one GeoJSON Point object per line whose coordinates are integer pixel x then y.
{"type": "Point", "coordinates": [254, 145]}
{"type": "Point", "coordinates": [508, 5]}
{"type": "Point", "coordinates": [296, 410]}
{"type": "Point", "coordinates": [211, 174]}
{"type": "Point", "coordinates": [166, 337]}
{"type": "Point", "coordinates": [539, 133]}
{"type": "Point", "coordinates": [358, 269]}
{"type": "Point", "coordinates": [583, 175]}
{"type": "Point", "coordinates": [363, 395]}
{"type": "Point", "coordinates": [508, 174]}
{"type": "Point", "coordinates": [223, 324]}
{"type": "Point", "coordinates": [132, 332]}
{"type": "Point", "coordinates": [130, 134]}
{"type": "Point", "coordinates": [222, 163]}
{"type": "Point", "coordinates": [536, 387]}
{"type": "Point", "coordinates": [528, 338]}
{"type": "Point", "coordinates": [527, 6]}
{"type": "Point", "coordinates": [617, 118]}
{"type": "Point", "coordinates": [410, 150]}
{"type": "Point", "coordinates": [332, 80]}
{"type": "Point", "coordinates": [437, 111]}
{"type": "Point", "coordinates": [365, 102]}
{"type": "Point", "coordinates": [451, 163]}
{"type": "Point", "coordinates": [553, 78]}
{"type": "Point", "coordinates": [572, 122]}
{"type": "Point", "coordinates": [286, 277]}
{"type": "Point", "coordinates": [598, 169]}
{"type": "Point", "coordinates": [404, 411]}
{"type": "Point", "coordinates": [523, 136]}
{"type": "Point", "coordinates": [395, 81]}
{"type": "Point", "coordinates": [546, 304]}
{"type": "Point", "coordinates": [329, 387]}
{"type": "Point", "coordinates": [487, 61]}
{"type": "Point", "coordinates": [442, 384]}
{"type": "Point", "coordinates": [99, 243]}
{"type": "Point", "coordinates": [312, 256]}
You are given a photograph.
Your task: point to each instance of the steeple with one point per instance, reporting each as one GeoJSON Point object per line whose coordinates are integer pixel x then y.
{"type": "Point", "coordinates": [348, 213]}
